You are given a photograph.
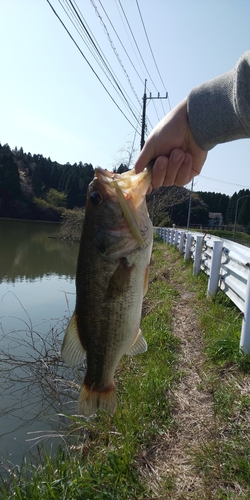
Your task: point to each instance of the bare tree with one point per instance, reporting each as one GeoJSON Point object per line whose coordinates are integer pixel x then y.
{"type": "Point", "coordinates": [162, 200]}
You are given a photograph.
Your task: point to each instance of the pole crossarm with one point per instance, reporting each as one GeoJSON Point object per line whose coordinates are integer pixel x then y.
{"type": "Point", "coordinates": [144, 102]}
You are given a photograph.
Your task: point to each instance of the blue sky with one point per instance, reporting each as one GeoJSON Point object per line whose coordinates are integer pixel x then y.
{"type": "Point", "coordinates": [53, 104]}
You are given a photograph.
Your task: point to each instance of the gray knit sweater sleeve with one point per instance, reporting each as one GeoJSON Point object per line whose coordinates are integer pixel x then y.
{"type": "Point", "coordinates": [219, 110]}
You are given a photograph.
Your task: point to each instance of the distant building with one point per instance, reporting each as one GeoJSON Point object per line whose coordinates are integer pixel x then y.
{"type": "Point", "coordinates": [215, 219]}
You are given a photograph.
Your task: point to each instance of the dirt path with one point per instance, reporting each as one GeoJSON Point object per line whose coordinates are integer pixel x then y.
{"type": "Point", "coordinates": [194, 406]}
{"type": "Point", "coordinates": [173, 456]}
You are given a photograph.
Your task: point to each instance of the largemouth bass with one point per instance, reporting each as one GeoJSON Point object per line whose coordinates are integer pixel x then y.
{"type": "Point", "coordinates": [111, 281]}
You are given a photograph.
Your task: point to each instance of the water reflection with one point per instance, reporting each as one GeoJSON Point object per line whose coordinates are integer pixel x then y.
{"type": "Point", "coordinates": [37, 296]}
{"type": "Point", "coordinates": [30, 250]}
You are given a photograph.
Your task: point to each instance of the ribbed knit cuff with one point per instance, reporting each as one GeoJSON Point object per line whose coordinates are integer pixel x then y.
{"type": "Point", "coordinates": [212, 112]}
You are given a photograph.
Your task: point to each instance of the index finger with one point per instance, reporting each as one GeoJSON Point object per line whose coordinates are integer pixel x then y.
{"type": "Point", "coordinates": [145, 156]}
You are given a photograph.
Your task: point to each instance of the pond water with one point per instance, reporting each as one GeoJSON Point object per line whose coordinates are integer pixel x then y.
{"type": "Point", "coordinates": [37, 297]}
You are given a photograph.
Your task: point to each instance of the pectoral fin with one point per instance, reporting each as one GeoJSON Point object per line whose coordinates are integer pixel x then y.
{"type": "Point", "coordinates": [139, 345]}
{"type": "Point", "coordinates": [120, 280]}
{"type": "Point", "coordinates": [72, 351]}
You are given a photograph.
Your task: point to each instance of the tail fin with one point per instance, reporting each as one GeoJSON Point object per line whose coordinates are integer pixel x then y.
{"type": "Point", "coordinates": [90, 400]}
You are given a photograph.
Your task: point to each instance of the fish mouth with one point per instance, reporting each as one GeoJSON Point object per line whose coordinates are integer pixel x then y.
{"type": "Point", "coordinates": [130, 190]}
{"type": "Point", "coordinates": [129, 182]}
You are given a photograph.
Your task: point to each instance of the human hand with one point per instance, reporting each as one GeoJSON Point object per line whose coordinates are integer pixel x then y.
{"type": "Point", "coordinates": [172, 144]}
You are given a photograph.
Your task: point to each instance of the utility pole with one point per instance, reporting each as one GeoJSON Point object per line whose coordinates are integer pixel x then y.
{"type": "Point", "coordinates": [189, 205]}
{"type": "Point", "coordinates": [144, 103]}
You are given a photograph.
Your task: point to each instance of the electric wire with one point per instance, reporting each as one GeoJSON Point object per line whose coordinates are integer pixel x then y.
{"type": "Point", "coordinates": [104, 61]}
{"type": "Point", "coordinates": [92, 69]}
{"type": "Point", "coordinates": [224, 182]}
{"type": "Point", "coordinates": [124, 48]}
{"type": "Point", "coordinates": [90, 48]}
{"type": "Point", "coordinates": [156, 110]}
{"type": "Point", "coordinates": [141, 57]}
{"type": "Point", "coordinates": [136, 58]}
{"type": "Point", "coordinates": [136, 44]}
{"type": "Point", "coordinates": [80, 30]}
{"type": "Point", "coordinates": [114, 48]}
{"type": "Point", "coordinates": [150, 48]}
{"type": "Point", "coordinates": [149, 44]}
{"type": "Point", "coordinates": [129, 37]}
{"type": "Point", "coordinates": [102, 57]}
{"type": "Point", "coordinates": [88, 40]}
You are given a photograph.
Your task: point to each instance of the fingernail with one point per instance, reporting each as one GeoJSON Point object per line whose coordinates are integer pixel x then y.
{"type": "Point", "coordinates": [162, 163]}
{"type": "Point", "coordinates": [186, 159]}
{"type": "Point", "coordinates": [176, 156]}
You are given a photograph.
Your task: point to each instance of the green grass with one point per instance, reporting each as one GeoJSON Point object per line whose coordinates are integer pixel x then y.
{"type": "Point", "coordinates": [108, 454]}
{"type": "Point", "coordinates": [239, 237]}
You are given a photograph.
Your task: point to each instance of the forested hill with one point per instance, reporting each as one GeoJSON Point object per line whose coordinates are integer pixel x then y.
{"type": "Point", "coordinates": [222, 203]}
{"type": "Point", "coordinates": [34, 187]}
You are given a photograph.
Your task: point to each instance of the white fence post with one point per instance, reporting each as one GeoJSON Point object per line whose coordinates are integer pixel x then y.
{"type": "Point", "coordinates": [215, 268]}
{"type": "Point", "coordinates": [172, 232]}
{"type": "Point", "coordinates": [188, 246]}
{"type": "Point", "coordinates": [197, 255]}
{"type": "Point", "coordinates": [245, 330]}
{"type": "Point", "coordinates": [176, 236]}
{"type": "Point", "coordinates": [181, 244]}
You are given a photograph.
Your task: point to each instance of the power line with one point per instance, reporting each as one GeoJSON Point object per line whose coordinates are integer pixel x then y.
{"type": "Point", "coordinates": [149, 44]}
{"type": "Point", "coordinates": [107, 33]}
{"type": "Point", "coordinates": [128, 35]}
{"type": "Point", "coordinates": [136, 44]}
{"type": "Point", "coordinates": [92, 69]}
{"type": "Point", "coordinates": [223, 181]}
{"type": "Point", "coordinates": [128, 56]}
{"type": "Point", "coordinates": [114, 48]}
{"type": "Point", "coordinates": [90, 37]}
{"type": "Point", "coordinates": [150, 47]}
{"type": "Point", "coordinates": [142, 59]}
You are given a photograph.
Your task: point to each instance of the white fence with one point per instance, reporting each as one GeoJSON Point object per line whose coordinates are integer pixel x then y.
{"type": "Point", "coordinates": [226, 263]}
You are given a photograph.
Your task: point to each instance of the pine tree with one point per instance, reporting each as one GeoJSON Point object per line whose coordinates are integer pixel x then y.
{"type": "Point", "coordinates": [9, 176]}
{"type": "Point", "coordinates": [244, 211]}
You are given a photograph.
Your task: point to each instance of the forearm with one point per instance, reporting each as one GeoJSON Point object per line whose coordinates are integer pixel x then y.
{"type": "Point", "coordinates": [219, 110]}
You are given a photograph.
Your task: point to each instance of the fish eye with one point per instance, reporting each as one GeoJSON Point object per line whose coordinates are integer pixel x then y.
{"type": "Point", "coordinates": [96, 198]}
